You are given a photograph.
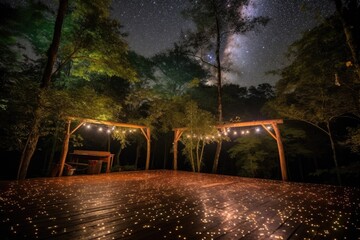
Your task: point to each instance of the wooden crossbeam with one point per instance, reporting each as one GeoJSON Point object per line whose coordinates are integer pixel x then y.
{"type": "Point", "coordinates": [109, 123]}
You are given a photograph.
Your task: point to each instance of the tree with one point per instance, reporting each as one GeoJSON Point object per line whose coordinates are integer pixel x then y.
{"type": "Point", "coordinates": [215, 20]}
{"type": "Point", "coordinates": [92, 45]}
{"type": "Point", "coordinates": [253, 155]}
{"type": "Point", "coordinates": [176, 73]}
{"type": "Point", "coordinates": [45, 82]}
{"type": "Point", "coordinates": [349, 15]}
{"type": "Point", "coordinates": [200, 132]}
{"type": "Point", "coordinates": [256, 154]}
{"type": "Point", "coordinates": [305, 92]}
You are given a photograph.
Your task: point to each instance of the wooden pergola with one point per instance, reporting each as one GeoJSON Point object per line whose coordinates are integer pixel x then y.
{"type": "Point", "coordinates": [264, 123]}
{"type": "Point", "coordinates": [144, 130]}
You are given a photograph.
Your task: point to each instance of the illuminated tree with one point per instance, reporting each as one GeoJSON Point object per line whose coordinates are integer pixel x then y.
{"type": "Point", "coordinates": [91, 46]}
{"type": "Point", "coordinates": [200, 132]}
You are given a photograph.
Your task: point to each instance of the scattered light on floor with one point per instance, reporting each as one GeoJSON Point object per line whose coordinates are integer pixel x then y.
{"type": "Point", "coordinates": [175, 205]}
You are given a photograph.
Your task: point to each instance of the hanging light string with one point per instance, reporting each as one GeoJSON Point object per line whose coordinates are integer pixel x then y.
{"type": "Point", "coordinates": [108, 130]}
{"type": "Point", "coordinates": [228, 132]}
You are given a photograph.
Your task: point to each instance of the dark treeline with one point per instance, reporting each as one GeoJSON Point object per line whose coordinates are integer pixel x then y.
{"type": "Point", "coordinates": [97, 76]}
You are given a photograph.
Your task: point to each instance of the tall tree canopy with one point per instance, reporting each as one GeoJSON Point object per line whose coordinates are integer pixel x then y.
{"type": "Point", "coordinates": [91, 46]}
{"type": "Point", "coordinates": [215, 20]}
{"type": "Point", "coordinates": [318, 86]}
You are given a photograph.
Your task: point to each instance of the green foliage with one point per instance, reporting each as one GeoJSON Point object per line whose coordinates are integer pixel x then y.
{"type": "Point", "coordinates": [308, 88]}
{"type": "Point", "coordinates": [257, 155]}
{"type": "Point", "coordinates": [200, 132]}
{"type": "Point", "coordinates": [237, 101]}
{"type": "Point", "coordinates": [353, 139]}
{"type": "Point", "coordinates": [254, 155]}
{"type": "Point", "coordinates": [175, 72]}
{"type": "Point", "coordinates": [225, 15]}
{"type": "Point", "coordinates": [93, 43]}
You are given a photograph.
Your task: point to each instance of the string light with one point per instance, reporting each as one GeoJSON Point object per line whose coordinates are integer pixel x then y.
{"type": "Point", "coordinates": [100, 129]}
{"type": "Point", "coordinates": [257, 129]}
{"type": "Point", "coordinates": [88, 126]}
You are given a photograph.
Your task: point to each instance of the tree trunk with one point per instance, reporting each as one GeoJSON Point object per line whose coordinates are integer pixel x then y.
{"type": "Point", "coordinates": [219, 92]}
{"type": "Point", "coordinates": [334, 153]}
{"type": "Point", "coordinates": [52, 52]}
{"type": "Point", "coordinates": [33, 137]}
{"type": "Point", "coordinates": [30, 145]}
{"type": "Point", "coordinates": [165, 153]}
{"type": "Point", "coordinates": [202, 152]}
{"type": "Point", "coordinates": [198, 155]}
{"type": "Point", "coordinates": [217, 156]}
{"type": "Point", "coordinates": [53, 149]}
{"type": "Point", "coordinates": [117, 156]}
{"type": "Point", "coordinates": [349, 19]}
{"type": "Point", "coordinates": [192, 156]}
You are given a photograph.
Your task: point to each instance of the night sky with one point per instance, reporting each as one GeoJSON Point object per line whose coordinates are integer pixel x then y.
{"type": "Point", "coordinates": [154, 26]}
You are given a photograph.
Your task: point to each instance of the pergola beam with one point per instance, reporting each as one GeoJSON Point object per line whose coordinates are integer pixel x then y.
{"type": "Point", "coordinates": [109, 123]}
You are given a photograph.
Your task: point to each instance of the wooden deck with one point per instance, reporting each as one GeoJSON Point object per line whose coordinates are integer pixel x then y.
{"type": "Point", "coordinates": [175, 205]}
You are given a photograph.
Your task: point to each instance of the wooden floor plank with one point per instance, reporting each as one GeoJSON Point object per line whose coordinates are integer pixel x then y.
{"type": "Point", "coordinates": [175, 205]}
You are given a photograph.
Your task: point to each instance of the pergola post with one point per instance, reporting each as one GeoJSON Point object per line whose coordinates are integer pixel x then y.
{"type": "Point", "coordinates": [65, 148]}
{"type": "Point", "coordinates": [281, 152]}
{"type": "Point", "coordinates": [177, 135]}
{"type": "Point", "coordinates": [148, 138]}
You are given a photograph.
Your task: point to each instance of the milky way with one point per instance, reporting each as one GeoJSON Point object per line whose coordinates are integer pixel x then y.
{"type": "Point", "coordinates": [154, 26]}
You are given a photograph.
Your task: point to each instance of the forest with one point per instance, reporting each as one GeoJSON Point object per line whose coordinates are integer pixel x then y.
{"type": "Point", "coordinates": [73, 59]}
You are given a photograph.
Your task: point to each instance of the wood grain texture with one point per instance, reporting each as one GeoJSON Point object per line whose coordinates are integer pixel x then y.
{"type": "Point", "coordinates": [175, 205]}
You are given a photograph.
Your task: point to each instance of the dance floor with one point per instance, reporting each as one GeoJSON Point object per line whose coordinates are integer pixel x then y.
{"type": "Point", "coordinates": [175, 205]}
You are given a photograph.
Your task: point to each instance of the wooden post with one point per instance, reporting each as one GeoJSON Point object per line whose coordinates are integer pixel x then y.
{"type": "Point", "coordinates": [177, 135]}
{"type": "Point", "coordinates": [175, 143]}
{"type": "Point", "coordinates": [281, 152]}
{"type": "Point", "coordinates": [65, 148]}
{"type": "Point", "coordinates": [148, 138]}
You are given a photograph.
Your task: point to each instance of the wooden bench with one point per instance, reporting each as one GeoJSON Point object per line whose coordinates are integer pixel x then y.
{"type": "Point", "coordinates": [106, 157]}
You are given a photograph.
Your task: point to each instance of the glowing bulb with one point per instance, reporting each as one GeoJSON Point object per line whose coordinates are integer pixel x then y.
{"type": "Point", "coordinates": [257, 129]}
{"type": "Point", "coordinates": [235, 133]}
{"type": "Point", "coordinates": [88, 126]}
{"type": "Point", "coordinates": [108, 131]}
{"type": "Point", "coordinates": [100, 129]}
